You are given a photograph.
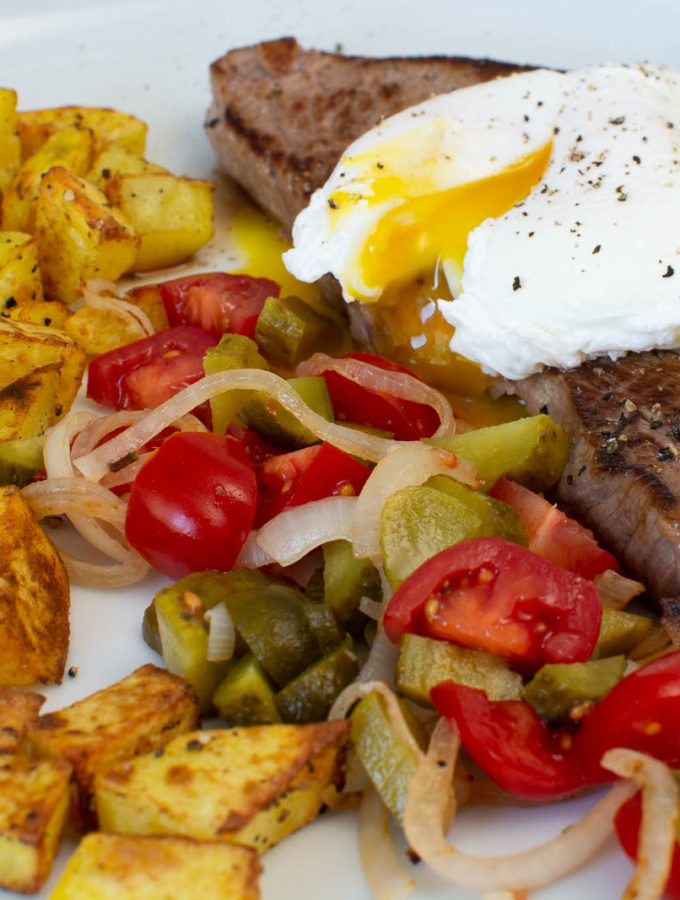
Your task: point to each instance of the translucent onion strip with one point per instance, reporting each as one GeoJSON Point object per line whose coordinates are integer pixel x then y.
{"type": "Point", "coordinates": [384, 875]}
{"type": "Point", "coordinates": [616, 591]}
{"type": "Point", "coordinates": [96, 464]}
{"type": "Point", "coordinates": [425, 829]}
{"type": "Point", "coordinates": [381, 662]}
{"type": "Point", "coordinates": [659, 820]}
{"type": "Point", "coordinates": [222, 634]}
{"type": "Point", "coordinates": [297, 531]}
{"type": "Point", "coordinates": [398, 384]}
{"type": "Point", "coordinates": [101, 294]}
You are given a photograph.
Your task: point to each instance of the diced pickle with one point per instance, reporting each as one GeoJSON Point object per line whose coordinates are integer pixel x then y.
{"type": "Point", "coordinates": [289, 330]}
{"type": "Point", "coordinates": [532, 451]}
{"type": "Point", "coordinates": [346, 581]}
{"type": "Point", "coordinates": [245, 695]}
{"type": "Point", "coordinates": [150, 631]}
{"type": "Point", "coordinates": [234, 351]}
{"type": "Point", "coordinates": [621, 631]}
{"type": "Point", "coordinates": [323, 623]}
{"type": "Point", "coordinates": [309, 696]}
{"type": "Point", "coordinates": [279, 426]}
{"type": "Point", "coordinates": [20, 460]}
{"type": "Point", "coordinates": [557, 689]}
{"type": "Point", "coordinates": [424, 662]}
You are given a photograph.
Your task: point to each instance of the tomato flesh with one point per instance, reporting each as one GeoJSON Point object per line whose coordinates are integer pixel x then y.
{"type": "Point", "coordinates": [494, 595]}
{"type": "Point", "coordinates": [192, 504]}
{"type": "Point", "coordinates": [509, 742]}
{"type": "Point", "coordinates": [627, 822]}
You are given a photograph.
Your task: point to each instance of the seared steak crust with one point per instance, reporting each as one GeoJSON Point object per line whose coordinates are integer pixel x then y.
{"type": "Point", "coordinates": [282, 116]}
{"type": "Point", "coordinates": [623, 478]}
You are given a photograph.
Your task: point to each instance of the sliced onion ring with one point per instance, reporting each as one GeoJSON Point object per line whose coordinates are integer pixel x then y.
{"type": "Point", "coordinates": [297, 531]}
{"type": "Point", "coordinates": [384, 875]}
{"type": "Point", "coordinates": [101, 294]}
{"type": "Point", "coordinates": [615, 590]}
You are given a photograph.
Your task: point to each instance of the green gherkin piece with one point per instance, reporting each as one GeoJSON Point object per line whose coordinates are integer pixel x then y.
{"type": "Point", "coordinates": [556, 689]}
{"type": "Point", "coordinates": [532, 451]}
{"type": "Point", "coordinates": [234, 351]}
{"type": "Point", "coordinates": [309, 696]}
{"type": "Point", "coordinates": [323, 623]}
{"type": "Point", "coordinates": [245, 695]}
{"type": "Point", "coordinates": [21, 460]}
{"type": "Point", "coordinates": [621, 631]}
{"type": "Point", "coordinates": [346, 580]}
{"type": "Point", "coordinates": [279, 426]}
{"type": "Point", "coordinates": [289, 330]}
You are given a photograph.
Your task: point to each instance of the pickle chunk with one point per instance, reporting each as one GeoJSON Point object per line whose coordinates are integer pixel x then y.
{"type": "Point", "coordinates": [620, 631]}
{"type": "Point", "coordinates": [556, 690]}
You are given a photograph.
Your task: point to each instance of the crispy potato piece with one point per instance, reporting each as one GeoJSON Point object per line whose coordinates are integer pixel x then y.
{"type": "Point", "coordinates": [113, 158]}
{"type": "Point", "coordinates": [34, 800]}
{"type": "Point", "coordinates": [45, 313]}
{"type": "Point", "coordinates": [148, 298]}
{"type": "Point", "coordinates": [10, 145]}
{"type": "Point", "coordinates": [25, 348]}
{"type": "Point", "coordinates": [28, 406]}
{"type": "Point", "coordinates": [174, 216]}
{"type": "Point", "coordinates": [100, 330]}
{"type": "Point", "coordinates": [18, 708]}
{"type": "Point", "coordinates": [139, 714]}
{"type": "Point", "coordinates": [19, 274]}
{"type": "Point", "coordinates": [36, 126]}
{"type": "Point", "coordinates": [80, 236]}
{"type": "Point", "coordinates": [71, 148]}
{"type": "Point", "coordinates": [251, 785]}
{"type": "Point", "coordinates": [34, 598]}
{"type": "Point", "coordinates": [113, 866]}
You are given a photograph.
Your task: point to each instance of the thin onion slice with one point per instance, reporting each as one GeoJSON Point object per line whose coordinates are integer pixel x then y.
{"type": "Point", "coordinates": [297, 531]}
{"type": "Point", "coordinates": [409, 464]}
{"type": "Point", "coordinates": [222, 634]}
{"type": "Point", "coordinates": [425, 829]}
{"type": "Point", "coordinates": [57, 448]}
{"type": "Point", "coordinates": [615, 590]}
{"type": "Point", "coordinates": [96, 464]}
{"type": "Point", "coordinates": [398, 384]}
{"type": "Point", "coordinates": [101, 294]}
{"type": "Point", "coordinates": [381, 662]}
{"type": "Point", "coordinates": [360, 689]}
{"type": "Point", "coordinates": [385, 877]}
{"type": "Point", "coordinates": [659, 820]}
{"type": "Point", "coordinates": [128, 571]}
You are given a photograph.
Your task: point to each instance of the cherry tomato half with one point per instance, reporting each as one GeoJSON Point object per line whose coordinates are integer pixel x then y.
{"type": "Point", "coordinates": [217, 302]}
{"type": "Point", "coordinates": [408, 421]}
{"type": "Point", "coordinates": [192, 504]}
{"type": "Point", "coordinates": [641, 712]}
{"type": "Point", "coordinates": [511, 743]}
{"type": "Point", "coordinates": [627, 821]}
{"type": "Point", "coordinates": [553, 534]}
{"type": "Point", "coordinates": [145, 373]}
{"type": "Point", "coordinates": [494, 595]}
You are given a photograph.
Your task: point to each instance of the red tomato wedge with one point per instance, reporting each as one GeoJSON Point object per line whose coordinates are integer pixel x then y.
{"type": "Point", "coordinates": [312, 473]}
{"type": "Point", "coordinates": [217, 302]}
{"type": "Point", "coordinates": [494, 595]}
{"type": "Point", "coordinates": [511, 743]}
{"type": "Point", "coordinates": [408, 421]}
{"type": "Point", "coordinates": [641, 712]}
{"type": "Point", "coordinates": [553, 534]}
{"type": "Point", "coordinates": [192, 504]}
{"type": "Point", "coordinates": [627, 821]}
{"type": "Point", "coordinates": [145, 373]}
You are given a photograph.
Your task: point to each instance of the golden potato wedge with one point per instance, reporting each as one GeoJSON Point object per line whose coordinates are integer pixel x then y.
{"type": "Point", "coordinates": [28, 406]}
{"type": "Point", "coordinates": [34, 800]}
{"type": "Point", "coordinates": [10, 145]}
{"type": "Point", "coordinates": [80, 235]}
{"type": "Point", "coordinates": [36, 126]}
{"type": "Point", "coordinates": [251, 785]}
{"type": "Point", "coordinates": [148, 298]}
{"type": "Point", "coordinates": [19, 274]}
{"type": "Point", "coordinates": [25, 347]}
{"type": "Point", "coordinates": [71, 148]}
{"type": "Point", "coordinates": [18, 708]}
{"type": "Point", "coordinates": [139, 714]}
{"type": "Point", "coordinates": [34, 598]}
{"type": "Point", "coordinates": [100, 330]}
{"type": "Point", "coordinates": [45, 313]}
{"type": "Point", "coordinates": [133, 867]}
{"type": "Point", "coordinates": [173, 216]}
{"type": "Point", "coordinates": [113, 158]}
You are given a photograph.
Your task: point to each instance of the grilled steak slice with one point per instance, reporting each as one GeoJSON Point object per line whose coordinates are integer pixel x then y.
{"type": "Point", "coordinates": [623, 478]}
{"type": "Point", "coordinates": [282, 116]}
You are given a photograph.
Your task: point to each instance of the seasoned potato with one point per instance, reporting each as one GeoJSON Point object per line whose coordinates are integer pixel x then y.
{"type": "Point", "coordinates": [71, 148]}
{"type": "Point", "coordinates": [10, 146]}
{"type": "Point", "coordinates": [19, 275]}
{"type": "Point", "coordinates": [36, 126]}
{"type": "Point", "coordinates": [34, 598]}
{"type": "Point", "coordinates": [251, 785]}
{"type": "Point", "coordinates": [34, 799]}
{"type": "Point", "coordinates": [117, 866]}
{"type": "Point", "coordinates": [100, 330]}
{"type": "Point", "coordinates": [113, 158]}
{"type": "Point", "coordinates": [80, 235]}
{"type": "Point", "coordinates": [139, 714]}
{"type": "Point", "coordinates": [174, 216]}
{"type": "Point", "coordinates": [18, 707]}
{"type": "Point", "coordinates": [46, 313]}
{"type": "Point", "coordinates": [148, 298]}
{"type": "Point", "coordinates": [28, 406]}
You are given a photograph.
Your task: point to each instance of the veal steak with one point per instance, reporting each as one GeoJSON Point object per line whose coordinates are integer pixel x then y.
{"type": "Point", "coordinates": [623, 477]}
{"type": "Point", "coordinates": [282, 116]}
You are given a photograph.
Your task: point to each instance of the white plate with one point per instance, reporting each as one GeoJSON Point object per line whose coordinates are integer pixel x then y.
{"type": "Point", "coordinates": [151, 59]}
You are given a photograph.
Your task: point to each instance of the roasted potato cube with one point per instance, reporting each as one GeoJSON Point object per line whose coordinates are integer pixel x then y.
{"type": "Point", "coordinates": [46, 313]}
{"type": "Point", "coordinates": [174, 216]}
{"type": "Point", "coordinates": [28, 406]}
{"type": "Point", "coordinates": [80, 235]}
{"type": "Point", "coordinates": [133, 867]}
{"type": "Point", "coordinates": [139, 714]}
{"type": "Point", "coordinates": [36, 126]}
{"type": "Point", "coordinates": [148, 298]}
{"type": "Point", "coordinates": [113, 158]}
{"type": "Point", "coordinates": [252, 785]}
{"type": "Point", "coordinates": [25, 348]}
{"type": "Point", "coordinates": [34, 597]}
{"type": "Point", "coordinates": [100, 330]}
{"type": "Point", "coordinates": [19, 274]}
{"type": "Point", "coordinates": [18, 707]}
{"type": "Point", "coordinates": [10, 146]}
{"type": "Point", "coordinates": [71, 148]}
{"type": "Point", "coordinates": [34, 800]}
